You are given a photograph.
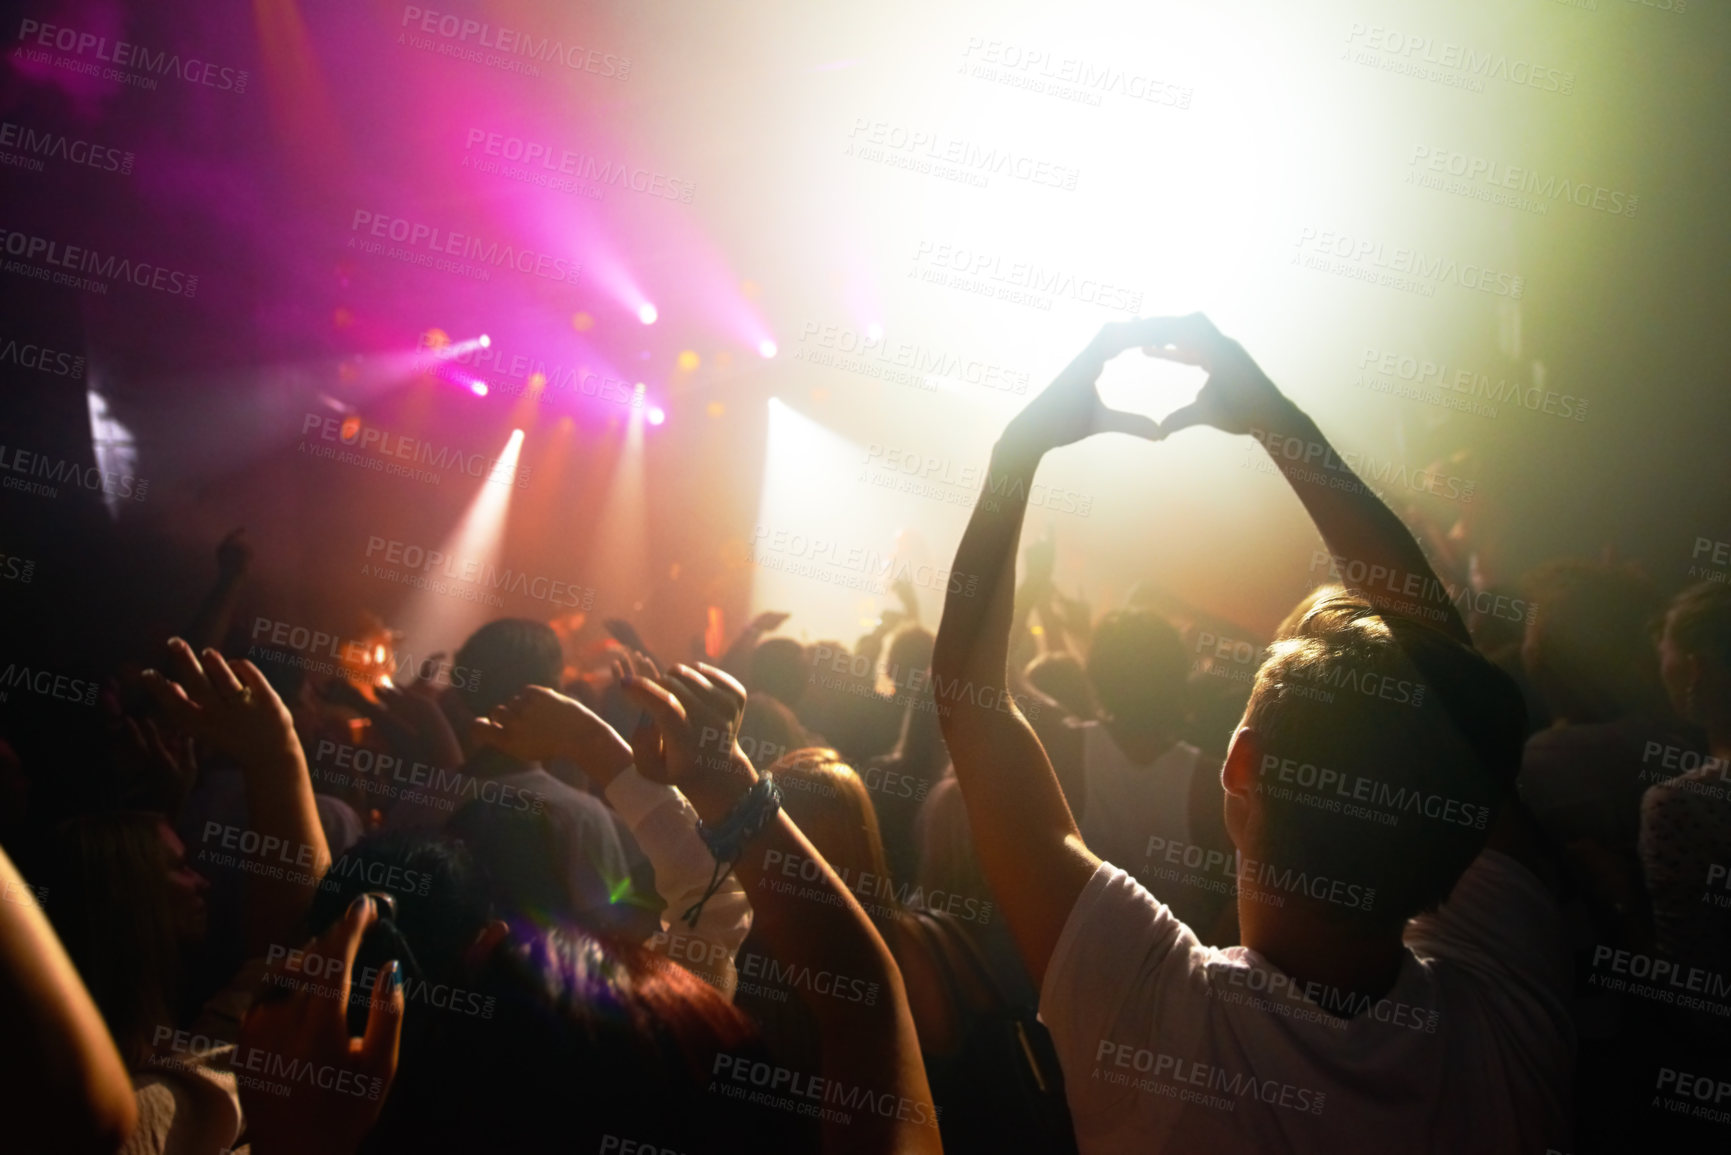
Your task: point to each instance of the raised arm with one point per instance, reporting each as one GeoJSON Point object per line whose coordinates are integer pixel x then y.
{"type": "Point", "coordinates": [1374, 552]}
{"type": "Point", "coordinates": [236, 711]}
{"type": "Point", "coordinates": [541, 725]}
{"type": "Point", "coordinates": [69, 1090]}
{"type": "Point", "coordinates": [1027, 842]}
{"type": "Point", "coordinates": [873, 1047]}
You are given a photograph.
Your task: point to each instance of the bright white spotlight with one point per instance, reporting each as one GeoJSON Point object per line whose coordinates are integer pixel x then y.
{"type": "Point", "coordinates": [657, 415]}
{"type": "Point", "coordinates": [646, 313]}
{"type": "Point", "coordinates": [875, 331]}
{"type": "Point", "coordinates": [766, 348]}
{"type": "Point", "coordinates": [485, 340]}
{"type": "Point", "coordinates": [478, 388]}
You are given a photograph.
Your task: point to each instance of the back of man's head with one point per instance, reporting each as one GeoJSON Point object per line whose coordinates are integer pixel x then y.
{"type": "Point", "coordinates": [1137, 666]}
{"type": "Point", "coordinates": [507, 655]}
{"type": "Point", "coordinates": [1589, 645]}
{"type": "Point", "coordinates": [780, 667]}
{"type": "Point", "coordinates": [1387, 748]}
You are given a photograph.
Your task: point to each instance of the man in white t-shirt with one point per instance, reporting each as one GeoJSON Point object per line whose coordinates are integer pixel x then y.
{"type": "Point", "coordinates": [1403, 981]}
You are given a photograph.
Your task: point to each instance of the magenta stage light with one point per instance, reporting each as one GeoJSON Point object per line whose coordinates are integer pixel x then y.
{"type": "Point", "coordinates": [646, 313]}
{"type": "Point", "coordinates": [485, 340]}
{"type": "Point", "coordinates": [478, 388]}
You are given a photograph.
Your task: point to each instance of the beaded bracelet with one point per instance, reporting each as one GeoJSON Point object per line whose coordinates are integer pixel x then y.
{"type": "Point", "coordinates": [726, 840]}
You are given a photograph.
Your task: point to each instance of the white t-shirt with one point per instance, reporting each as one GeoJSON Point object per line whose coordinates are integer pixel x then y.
{"type": "Point", "coordinates": [1125, 804]}
{"type": "Point", "coordinates": [1168, 1045]}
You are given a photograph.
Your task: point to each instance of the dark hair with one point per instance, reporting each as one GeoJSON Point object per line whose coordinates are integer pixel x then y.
{"type": "Point", "coordinates": [439, 890]}
{"type": "Point", "coordinates": [1061, 678]}
{"type": "Point", "coordinates": [1589, 645]}
{"type": "Point", "coordinates": [1699, 622]}
{"type": "Point", "coordinates": [111, 903]}
{"type": "Point", "coordinates": [505, 655]}
{"type": "Point", "coordinates": [1136, 663]}
{"type": "Point", "coordinates": [780, 667]}
{"type": "Point", "coordinates": [1408, 717]}
{"type": "Point", "coordinates": [583, 1040]}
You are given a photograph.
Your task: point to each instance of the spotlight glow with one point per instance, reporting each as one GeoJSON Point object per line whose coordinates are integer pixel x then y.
{"type": "Point", "coordinates": [479, 388]}
{"type": "Point", "coordinates": [766, 348]}
{"type": "Point", "coordinates": [646, 313]}
{"type": "Point", "coordinates": [485, 340]}
{"type": "Point", "coordinates": [657, 415]}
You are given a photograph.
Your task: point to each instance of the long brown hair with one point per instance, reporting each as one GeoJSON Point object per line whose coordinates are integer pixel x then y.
{"type": "Point", "coordinates": [111, 903]}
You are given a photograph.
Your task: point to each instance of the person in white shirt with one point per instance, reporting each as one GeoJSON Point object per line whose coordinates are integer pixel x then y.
{"type": "Point", "coordinates": [1339, 1025]}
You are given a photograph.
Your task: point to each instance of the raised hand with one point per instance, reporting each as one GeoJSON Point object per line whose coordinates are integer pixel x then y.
{"type": "Point", "coordinates": [1238, 397]}
{"type": "Point", "coordinates": [1070, 407]}
{"type": "Point", "coordinates": [414, 721]}
{"type": "Point", "coordinates": [768, 621]}
{"type": "Point", "coordinates": [540, 724]}
{"type": "Point", "coordinates": [689, 738]}
{"type": "Point", "coordinates": [233, 709]}
{"type": "Point", "coordinates": [299, 1024]}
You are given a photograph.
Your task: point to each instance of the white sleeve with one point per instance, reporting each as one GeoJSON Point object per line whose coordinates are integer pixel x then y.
{"type": "Point", "coordinates": [665, 826]}
{"type": "Point", "coordinates": [1502, 924]}
{"type": "Point", "coordinates": [1121, 974]}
